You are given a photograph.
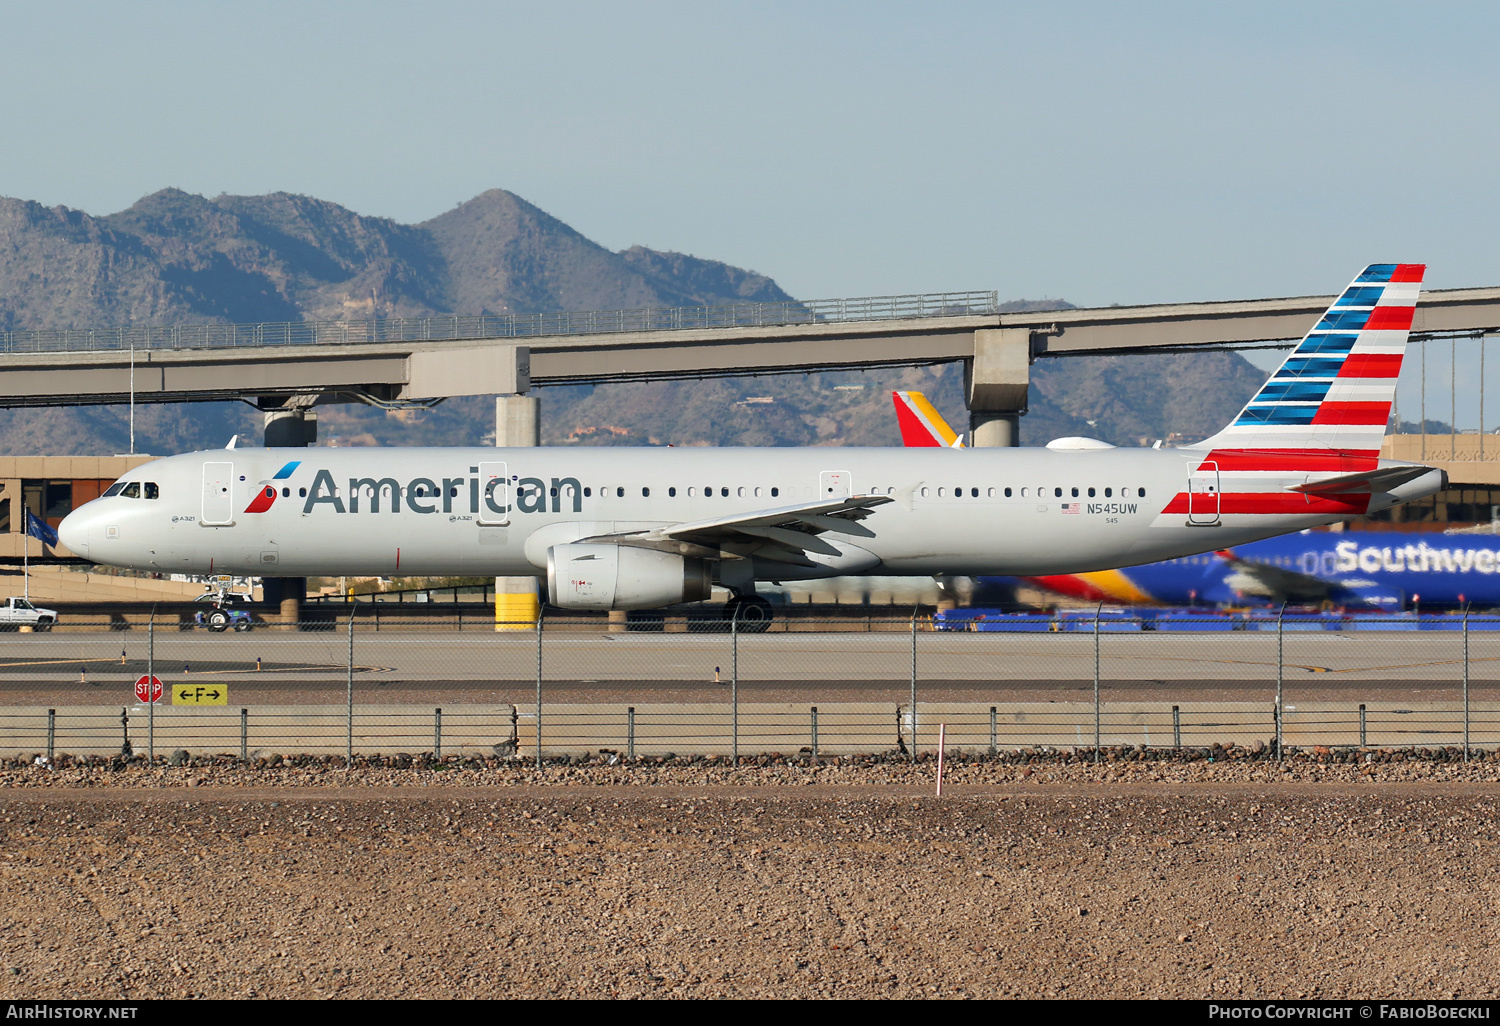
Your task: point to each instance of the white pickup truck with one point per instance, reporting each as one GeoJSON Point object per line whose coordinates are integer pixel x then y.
{"type": "Point", "coordinates": [16, 613]}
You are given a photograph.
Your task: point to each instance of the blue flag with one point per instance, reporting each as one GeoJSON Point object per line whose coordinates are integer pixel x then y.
{"type": "Point", "coordinates": [37, 528]}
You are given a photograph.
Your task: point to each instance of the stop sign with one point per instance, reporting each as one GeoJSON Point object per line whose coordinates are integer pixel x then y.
{"type": "Point", "coordinates": [148, 689]}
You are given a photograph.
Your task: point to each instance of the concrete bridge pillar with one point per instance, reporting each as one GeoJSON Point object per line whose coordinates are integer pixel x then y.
{"type": "Point", "coordinates": [996, 382]}
{"type": "Point", "coordinates": [290, 427]}
{"type": "Point", "coordinates": [517, 425]}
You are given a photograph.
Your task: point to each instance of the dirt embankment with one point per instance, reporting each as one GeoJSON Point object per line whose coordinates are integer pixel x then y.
{"type": "Point", "coordinates": [778, 881]}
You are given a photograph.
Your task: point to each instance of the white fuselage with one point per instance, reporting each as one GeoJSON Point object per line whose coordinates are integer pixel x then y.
{"type": "Point", "coordinates": [421, 512]}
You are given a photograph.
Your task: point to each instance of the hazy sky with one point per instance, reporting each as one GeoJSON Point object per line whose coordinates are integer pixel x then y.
{"type": "Point", "coordinates": [1102, 153]}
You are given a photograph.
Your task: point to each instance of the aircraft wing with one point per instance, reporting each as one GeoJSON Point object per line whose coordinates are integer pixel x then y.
{"type": "Point", "coordinates": [785, 534]}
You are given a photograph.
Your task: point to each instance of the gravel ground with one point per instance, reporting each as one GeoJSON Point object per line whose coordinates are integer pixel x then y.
{"type": "Point", "coordinates": [1041, 879]}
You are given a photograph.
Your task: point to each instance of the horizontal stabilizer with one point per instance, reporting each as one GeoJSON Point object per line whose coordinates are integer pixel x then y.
{"type": "Point", "coordinates": [1382, 480]}
{"type": "Point", "coordinates": [1269, 581]}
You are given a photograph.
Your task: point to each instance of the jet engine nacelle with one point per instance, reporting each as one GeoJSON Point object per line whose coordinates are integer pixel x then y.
{"type": "Point", "coordinates": [588, 575]}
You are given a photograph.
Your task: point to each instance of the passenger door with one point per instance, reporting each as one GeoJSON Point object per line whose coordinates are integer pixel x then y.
{"type": "Point", "coordinates": [494, 482]}
{"type": "Point", "coordinates": [218, 495]}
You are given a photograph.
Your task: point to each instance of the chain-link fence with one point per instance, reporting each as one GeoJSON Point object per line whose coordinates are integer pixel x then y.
{"type": "Point", "coordinates": [1087, 680]}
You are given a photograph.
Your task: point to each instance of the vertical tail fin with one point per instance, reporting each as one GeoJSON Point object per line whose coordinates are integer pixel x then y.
{"type": "Point", "coordinates": [1334, 392]}
{"type": "Point", "coordinates": [921, 425]}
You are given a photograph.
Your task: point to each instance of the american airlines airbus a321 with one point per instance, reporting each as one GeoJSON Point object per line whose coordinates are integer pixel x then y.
{"type": "Point", "coordinates": [641, 528]}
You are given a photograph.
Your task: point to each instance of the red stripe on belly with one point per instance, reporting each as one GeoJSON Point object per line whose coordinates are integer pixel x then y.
{"type": "Point", "coordinates": [1285, 503]}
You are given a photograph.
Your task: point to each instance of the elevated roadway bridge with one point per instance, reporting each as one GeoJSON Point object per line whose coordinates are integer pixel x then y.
{"type": "Point", "coordinates": [288, 368]}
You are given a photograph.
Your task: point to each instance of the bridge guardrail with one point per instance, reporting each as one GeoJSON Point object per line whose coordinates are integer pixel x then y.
{"type": "Point", "coordinates": [482, 326]}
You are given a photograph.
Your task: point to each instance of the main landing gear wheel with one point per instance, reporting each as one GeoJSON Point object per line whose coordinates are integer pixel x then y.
{"type": "Point", "coordinates": [751, 613]}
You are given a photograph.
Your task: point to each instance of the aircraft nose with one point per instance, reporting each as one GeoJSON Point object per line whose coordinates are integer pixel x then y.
{"type": "Point", "coordinates": [73, 532]}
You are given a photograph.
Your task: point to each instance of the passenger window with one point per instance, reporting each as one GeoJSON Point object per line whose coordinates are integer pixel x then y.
{"type": "Point", "coordinates": [723, 493]}
{"type": "Point", "coordinates": [302, 492]}
{"type": "Point", "coordinates": [152, 492]}
{"type": "Point", "coordinates": [1091, 493]}
{"type": "Point", "coordinates": [1023, 492]}
{"type": "Point", "coordinates": [113, 489]}
{"type": "Point", "coordinates": [741, 493]}
{"type": "Point", "coordinates": [619, 493]}
{"type": "Point", "coordinates": [286, 493]}
{"type": "Point", "coordinates": [1142, 492]}
{"type": "Point", "coordinates": [1057, 493]}
{"type": "Point", "coordinates": [942, 492]}
{"type": "Point", "coordinates": [672, 492]}
{"type": "Point", "coordinates": [645, 492]}
{"type": "Point", "coordinates": [1108, 492]}
{"type": "Point", "coordinates": [1075, 493]}
{"type": "Point", "coordinates": [757, 493]}
{"type": "Point", "coordinates": [924, 492]}
{"type": "Point", "coordinates": [1007, 492]}
{"type": "Point", "coordinates": [693, 492]}
{"type": "Point", "coordinates": [588, 492]}
{"type": "Point", "coordinates": [775, 492]}
{"type": "Point", "coordinates": [974, 492]}
{"type": "Point", "coordinates": [132, 490]}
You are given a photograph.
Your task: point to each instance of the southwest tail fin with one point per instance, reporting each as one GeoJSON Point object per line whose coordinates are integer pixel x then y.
{"type": "Point", "coordinates": [1333, 393]}
{"type": "Point", "coordinates": [921, 425]}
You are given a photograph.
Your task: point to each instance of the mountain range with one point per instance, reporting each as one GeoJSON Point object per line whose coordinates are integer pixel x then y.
{"type": "Point", "coordinates": [174, 257]}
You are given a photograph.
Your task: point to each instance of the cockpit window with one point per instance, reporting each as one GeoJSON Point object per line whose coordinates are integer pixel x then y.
{"type": "Point", "coordinates": [113, 489]}
{"type": "Point", "coordinates": [132, 490]}
{"type": "Point", "coordinates": [152, 492]}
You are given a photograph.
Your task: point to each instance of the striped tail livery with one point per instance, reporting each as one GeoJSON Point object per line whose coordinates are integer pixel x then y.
{"type": "Point", "coordinates": [1321, 416]}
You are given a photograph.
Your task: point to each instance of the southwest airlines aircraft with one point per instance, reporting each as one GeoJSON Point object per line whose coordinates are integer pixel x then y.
{"type": "Point", "coordinates": [1355, 569]}
{"type": "Point", "coordinates": [642, 528]}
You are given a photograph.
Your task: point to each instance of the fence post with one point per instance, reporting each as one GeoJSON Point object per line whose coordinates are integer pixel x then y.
{"type": "Point", "coordinates": [1097, 610]}
{"type": "Point", "coordinates": [734, 685]}
{"type": "Point", "coordinates": [1176, 726]}
{"type": "Point", "coordinates": [539, 688]}
{"type": "Point", "coordinates": [630, 733]}
{"type": "Point", "coordinates": [151, 675]}
{"type": "Point", "coordinates": [349, 701]}
{"type": "Point", "coordinates": [992, 730]}
{"type": "Point", "coordinates": [437, 733]}
{"type": "Point", "coordinates": [51, 733]}
{"type": "Point", "coordinates": [913, 705]}
{"type": "Point", "coordinates": [815, 733]}
{"type": "Point", "coordinates": [1279, 675]}
{"type": "Point", "coordinates": [244, 735]}
{"type": "Point", "coordinates": [1361, 725]}
{"type": "Point", "coordinates": [1466, 681]}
